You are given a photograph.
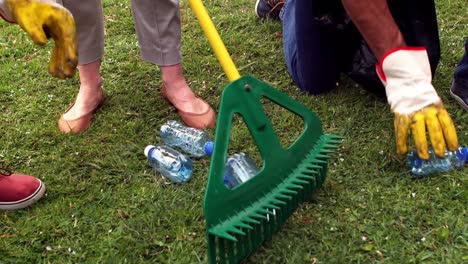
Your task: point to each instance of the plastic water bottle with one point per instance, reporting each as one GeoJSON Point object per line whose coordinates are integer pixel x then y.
{"type": "Point", "coordinates": [239, 169]}
{"type": "Point", "coordinates": [170, 163]}
{"type": "Point", "coordinates": [453, 160]}
{"type": "Point", "coordinates": [194, 141]}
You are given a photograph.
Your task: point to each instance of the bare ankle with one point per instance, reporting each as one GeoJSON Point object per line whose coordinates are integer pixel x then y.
{"type": "Point", "coordinates": [172, 74]}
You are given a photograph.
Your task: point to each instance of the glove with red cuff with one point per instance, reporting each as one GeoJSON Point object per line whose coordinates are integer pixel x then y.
{"type": "Point", "coordinates": [406, 75]}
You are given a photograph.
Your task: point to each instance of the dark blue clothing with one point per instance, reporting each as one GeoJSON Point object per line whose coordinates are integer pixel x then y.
{"type": "Point", "coordinates": [321, 42]}
{"type": "Point", "coordinates": [460, 76]}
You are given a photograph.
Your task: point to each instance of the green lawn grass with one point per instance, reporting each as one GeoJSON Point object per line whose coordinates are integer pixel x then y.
{"type": "Point", "coordinates": [104, 203]}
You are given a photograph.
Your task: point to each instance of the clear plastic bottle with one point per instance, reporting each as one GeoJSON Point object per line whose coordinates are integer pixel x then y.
{"type": "Point", "coordinates": [170, 163]}
{"type": "Point", "coordinates": [194, 141]}
{"type": "Point", "coordinates": [453, 160]}
{"type": "Point", "coordinates": [239, 169]}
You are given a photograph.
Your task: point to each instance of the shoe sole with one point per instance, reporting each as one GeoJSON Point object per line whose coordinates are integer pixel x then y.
{"type": "Point", "coordinates": [256, 8]}
{"type": "Point", "coordinates": [459, 100]}
{"type": "Point", "coordinates": [33, 198]}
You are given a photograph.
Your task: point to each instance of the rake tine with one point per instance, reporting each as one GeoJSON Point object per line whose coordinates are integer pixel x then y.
{"type": "Point", "coordinates": [226, 235]}
{"type": "Point", "coordinates": [277, 201]}
{"type": "Point", "coordinates": [333, 144]}
{"type": "Point", "coordinates": [309, 178]}
{"type": "Point", "coordinates": [283, 196]}
{"type": "Point", "coordinates": [311, 173]}
{"type": "Point", "coordinates": [272, 205]}
{"type": "Point", "coordinates": [265, 211]}
{"type": "Point", "coordinates": [327, 151]}
{"type": "Point", "coordinates": [249, 219]}
{"type": "Point", "coordinates": [320, 161]}
{"type": "Point", "coordinates": [257, 236]}
{"type": "Point", "coordinates": [311, 166]}
{"type": "Point", "coordinates": [231, 254]}
{"type": "Point", "coordinates": [267, 228]}
{"type": "Point", "coordinates": [289, 192]}
{"type": "Point", "coordinates": [222, 251]}
{"type": "Point", "coordinates": [242, 224]}
{"type": "Point", "coordinates": [333, 136]}
{"type": "Point", "coordinates": [299, 181]}
{"type": "Point", "coordinates": [240, 248]}
{"type": "Point", "coordinates": [258, 215]}
{"type": "Point", "coordinates": [322, 156]}
{"type": "Point", "coordinates": [212, 246]}
{"type": "Point", "coordinates": [294, 186]}
{"type": "Point", "coordinates": [236, 231]}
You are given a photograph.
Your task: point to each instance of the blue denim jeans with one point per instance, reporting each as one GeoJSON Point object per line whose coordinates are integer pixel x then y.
{"type": "Point", "coordinates": [311, 54]}
{"type": "Point", "coordinates": [320, 42]}
{"type": "Point", "coordinates": [461, 72]}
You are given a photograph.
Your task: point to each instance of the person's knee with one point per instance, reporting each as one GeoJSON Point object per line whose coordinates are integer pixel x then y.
{"type": "Point", "coordinates": [316, 86]}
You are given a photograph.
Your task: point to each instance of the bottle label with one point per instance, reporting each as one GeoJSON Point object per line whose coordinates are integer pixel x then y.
{"type": "Point", "coordinates": [167, 159]}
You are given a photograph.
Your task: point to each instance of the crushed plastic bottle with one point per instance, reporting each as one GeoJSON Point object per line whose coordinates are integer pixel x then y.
{"type": "Point", "coordinates": [453, 160]}
{"type": "Point", "coordinates": [239, 169]}
{"type": "Point", "coordinates": [170, 163]}
{"type": "Point", "coordinates": [194, 141]}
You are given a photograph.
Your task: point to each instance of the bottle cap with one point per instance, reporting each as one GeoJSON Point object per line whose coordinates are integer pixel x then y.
{"type": "Point", "coordinates": [209, 148]}
{"type": "Point", "coordinates": [148, 149]}
{"type": "Point", "coordinates": [463, 153]}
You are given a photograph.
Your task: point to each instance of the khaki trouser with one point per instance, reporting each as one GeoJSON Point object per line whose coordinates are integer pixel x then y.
{"type": "Point", "coordinates": [157, 24]}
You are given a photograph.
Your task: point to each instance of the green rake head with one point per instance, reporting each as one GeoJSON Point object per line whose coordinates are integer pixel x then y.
{"type": "Point", "coordinates": [239, 220]}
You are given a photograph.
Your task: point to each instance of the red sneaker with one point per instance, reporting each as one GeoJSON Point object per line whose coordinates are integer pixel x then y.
{"type": "Point", "coordinates": [18, 190]}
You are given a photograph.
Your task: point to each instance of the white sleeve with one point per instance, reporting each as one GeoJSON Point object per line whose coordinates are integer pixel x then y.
{"type": "Point", "coordinates": [5, 12]}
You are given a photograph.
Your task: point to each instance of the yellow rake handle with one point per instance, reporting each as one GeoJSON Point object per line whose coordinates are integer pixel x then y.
{"type": "Point", "coordinates": [215, 40]}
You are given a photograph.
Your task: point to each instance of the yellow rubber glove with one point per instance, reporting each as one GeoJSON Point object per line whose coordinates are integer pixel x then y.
{"type": "Point", "coordinates": [406, 74]}
{"type": "Point", "coordinates": [43, 19]}
{"type": "Point", "coordinates": [441, 130]}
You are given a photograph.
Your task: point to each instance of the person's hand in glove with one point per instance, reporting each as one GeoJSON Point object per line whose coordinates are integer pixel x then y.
{"type": "Point", "coordinates": [43, 19]}
{"type": "Point", "coordinates": [406, 74]}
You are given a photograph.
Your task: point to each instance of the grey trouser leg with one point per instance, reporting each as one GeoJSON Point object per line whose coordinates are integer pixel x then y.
{"type": "Point", "coordinates": [89, 21]}
{"type": "Point", "coordinates": [157, 24]}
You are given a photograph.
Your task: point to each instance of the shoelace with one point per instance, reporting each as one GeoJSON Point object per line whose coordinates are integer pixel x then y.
{"type": "Point", "coordinates": [5, 171]}
{"type": "Point", "coordinates": [275, 6]}
{"type": "Point", "coordinates": [274, 3]}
